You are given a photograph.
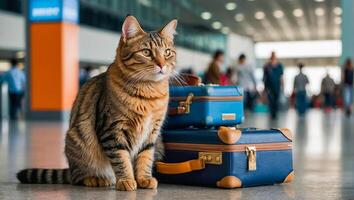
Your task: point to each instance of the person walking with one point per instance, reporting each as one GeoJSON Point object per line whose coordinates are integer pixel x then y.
{"type": "Point", "coordinates": [213, 73]}
{"type": "Point", "coordinates": [247, 80]}
{"type": "Point", "coordinates": [347, 82]}
{"type": "Point", "coordinates": [300, 83]}
{"type": "Point", "coordinates": [16, 81]}
{"type": "Point", "coordinates": [229, 77]}
{"type": "Point", "coordinates": [327, 91]}
{"type": "Point", "coordinates": [273, 83]}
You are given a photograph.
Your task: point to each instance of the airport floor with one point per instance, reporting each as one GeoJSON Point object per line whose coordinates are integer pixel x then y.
{"type": "Point", "coordinates": [323, 162]}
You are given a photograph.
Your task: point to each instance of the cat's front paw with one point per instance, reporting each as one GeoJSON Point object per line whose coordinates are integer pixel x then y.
{"type": "Point", "coordinates": [126, 185]}
{"type": "Point", "coordinates": [148, 183]}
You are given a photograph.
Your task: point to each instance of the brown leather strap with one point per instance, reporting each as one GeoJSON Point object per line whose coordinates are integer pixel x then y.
{"type": "Point", "coordinates": [180, 168]}
{"type": "Point", "coordinates": [176, 111]}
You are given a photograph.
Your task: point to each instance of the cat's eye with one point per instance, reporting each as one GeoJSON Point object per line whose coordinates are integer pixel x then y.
{"type": "Point", "coordinates": [168, 52]}
{"type": "Point", "coordinates": [147, 52]}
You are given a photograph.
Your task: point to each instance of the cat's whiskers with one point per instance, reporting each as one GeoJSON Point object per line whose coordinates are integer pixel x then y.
{"type": "Point", "coordinates": [178, 78]}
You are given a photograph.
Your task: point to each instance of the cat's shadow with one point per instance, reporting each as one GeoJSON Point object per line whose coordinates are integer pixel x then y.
{"type": "Point", "coordinates": [69, 192]}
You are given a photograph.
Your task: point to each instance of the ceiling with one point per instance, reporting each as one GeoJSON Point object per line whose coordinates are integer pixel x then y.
{"type": "Point", "coordinates": [316, 19]}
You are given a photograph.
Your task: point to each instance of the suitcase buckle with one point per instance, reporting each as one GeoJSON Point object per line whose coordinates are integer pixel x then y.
{"type": "Point", "coordinates": [251, 153]}
{"type": "Point", "coordinates": [186, 104]}
{"type": "Point", "coordinates": [214, 158]}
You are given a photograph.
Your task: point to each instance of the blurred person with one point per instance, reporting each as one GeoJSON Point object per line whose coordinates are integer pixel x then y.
{"type": "Point", "coordinates": [247, 80]}
{"type": "Point", "coordinates": [213, 74]}
{"type": "Point", "coordinates": [88, 72]}
{"type": "Point", "coordinates": [16, 80]}
{"type": "Point", "coordinates": [273, 83]}
{"type": "Point", "coordinates": [327, 91]}
{"type": "Point", "coordinates": [300, 83]}
{"type": "Point", "coordinates": [83, 76]}
{"type": "Point", "coordinates": [338, 96]}
{"type": "Point", "coordinates": [347, 82]}
{"type": "Point", "coordinates": [228, 78]}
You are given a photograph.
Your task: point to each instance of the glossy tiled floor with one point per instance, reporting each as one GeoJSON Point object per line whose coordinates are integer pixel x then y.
{"type": "Point", "coordinates": [323, 156]}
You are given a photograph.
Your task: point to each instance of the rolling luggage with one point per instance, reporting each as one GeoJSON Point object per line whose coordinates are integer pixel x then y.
{"type": "Point", "coordinates": [205, 106]}
{"type": "Point", "coordinates": [226, 157]}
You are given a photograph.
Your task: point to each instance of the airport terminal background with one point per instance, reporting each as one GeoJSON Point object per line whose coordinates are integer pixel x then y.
{"type": "Point", "coordinates": [316, 33]}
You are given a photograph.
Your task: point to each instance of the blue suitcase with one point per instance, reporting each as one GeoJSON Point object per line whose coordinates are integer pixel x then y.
{"type": "Point", "coordinates": [205, 106]}
{"type": "Point", "coordinates": [226, 157]}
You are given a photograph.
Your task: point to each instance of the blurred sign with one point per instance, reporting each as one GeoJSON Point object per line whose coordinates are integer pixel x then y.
{"type": "Point", "coordinates": [54, 10]}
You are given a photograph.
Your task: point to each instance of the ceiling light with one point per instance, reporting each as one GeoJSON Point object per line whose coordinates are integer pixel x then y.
{"type": "Point", "coordinates": [230, 6]}
{"type": "Point", "coordinates": [146, 3]}
{"type": "Point", "coordinates": [298, 12]}
{"type": "Point", "coordinates": [216, 25]}
{"type": "Point", "coordinates": [259, 15]}
{"type": "Point", "coordinates": [225, 30]}
{"type": "Point", "coordinates": [20, 54]}
{"type": "Point", "coordinates": [250, 0]}
{"type": "Point", "coordinates": [337, 20]}
{"type": "Point", "coordinates": [319, 12]}
{"type": "Point", "coordinates": [239, 17]}
{"type": "Point", "coordinates": [278, 14]}
{"type": "Point", "coordinates": [205, 15]}
{"type": "Point", "coordinates": [337, 11]}
{"type": "Point", "coordinates": [319, 0]}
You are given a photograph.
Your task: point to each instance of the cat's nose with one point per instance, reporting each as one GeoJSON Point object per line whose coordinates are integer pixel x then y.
{"type": "Point", "coordinates": [161, 65]}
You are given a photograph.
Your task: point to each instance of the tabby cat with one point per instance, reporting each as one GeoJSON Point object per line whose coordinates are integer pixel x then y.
{"type": "Point", "coordinates": [114, 131]}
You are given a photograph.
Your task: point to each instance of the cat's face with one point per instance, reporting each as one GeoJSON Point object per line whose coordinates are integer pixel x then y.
{"type": "Point", "coordinates": [147, 56]}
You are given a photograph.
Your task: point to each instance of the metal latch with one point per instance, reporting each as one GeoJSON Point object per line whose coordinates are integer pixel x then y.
{"type": "Point", "coordinates": [214, 158]}
{"type": "Point", "coordinates": [186, 104]}
{"type": "Point", "coordinates": [252, 158]}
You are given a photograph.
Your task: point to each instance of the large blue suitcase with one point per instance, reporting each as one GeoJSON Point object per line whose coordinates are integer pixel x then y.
{"type": "Point", "coordinates": [205, 106]}
{"type": "Point", "coordinates": [226, 157]}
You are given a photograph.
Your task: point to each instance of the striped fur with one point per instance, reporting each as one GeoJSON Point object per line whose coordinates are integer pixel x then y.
{"type": "Point", "coordinates": [44, 176]}
{"type": "Point", "coordinates": [114, 133]}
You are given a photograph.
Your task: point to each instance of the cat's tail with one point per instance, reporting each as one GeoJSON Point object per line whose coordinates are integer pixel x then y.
{"type": "Point", "coordinates": [44, 176]}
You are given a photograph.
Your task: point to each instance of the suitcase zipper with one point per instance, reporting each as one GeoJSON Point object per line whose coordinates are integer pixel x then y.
{"type": "Point", "coordinates": [228, 148]}
{"type": "Point", "coordinates": [209, 98]}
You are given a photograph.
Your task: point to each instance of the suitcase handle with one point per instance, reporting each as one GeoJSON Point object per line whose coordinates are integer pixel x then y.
{"type": "Point", "coordinates": [183, 106]}
{"type": "Point", "coordinates": [180, 168]}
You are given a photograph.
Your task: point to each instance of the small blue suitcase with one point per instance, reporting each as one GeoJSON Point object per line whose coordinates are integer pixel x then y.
{"type": "Point", "coordinates": [226, 157]}
{"type": "Point", "coordinates": [205, 106]}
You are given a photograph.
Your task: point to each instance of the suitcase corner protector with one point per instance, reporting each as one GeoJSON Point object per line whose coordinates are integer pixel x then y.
{"type": "Point", "coordinates": [287, 133]}
{"type": "Point", "coordinates": [228, 135]}
{"type": "Point", "coordinates": [290, 177]}
{"type": "Point", "coordinates": [229, 182]}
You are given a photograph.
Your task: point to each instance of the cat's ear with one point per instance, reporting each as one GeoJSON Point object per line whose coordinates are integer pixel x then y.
{"type": "Point", "coordinates": [169, 30]}
{"type": "Point", "coordinates": [131, 28]}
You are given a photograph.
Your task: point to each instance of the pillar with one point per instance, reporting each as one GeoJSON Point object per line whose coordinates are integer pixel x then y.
{"type": "Point", "coordinates": [53, 60]}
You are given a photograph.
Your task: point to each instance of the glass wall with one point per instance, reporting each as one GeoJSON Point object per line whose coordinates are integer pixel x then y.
{"type": "Point", "coordinates": [11, 5]}
{"type": "Point", "coordinates": [152, 14]}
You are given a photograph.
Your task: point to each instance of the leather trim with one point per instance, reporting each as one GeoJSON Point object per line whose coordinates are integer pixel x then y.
{"type": "Point", "coordinates": [228, 135]}
{"type": "Point", "coordinates": [177, 111]}
{"type": "Point", "coordinates": [228, 148]}
{"type": "Point", "coordinates": [210, 98]}
{"type": "Point", "coordinates": [290, 177]}
{"type": "Point", "coordinates": [286, 132]}
{"type": "Point", "coordinates": [229, 182]}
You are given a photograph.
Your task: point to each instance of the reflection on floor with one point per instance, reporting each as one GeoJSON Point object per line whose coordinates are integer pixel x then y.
{"type": "Point", "coordinates": [323, 156]}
